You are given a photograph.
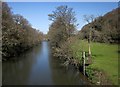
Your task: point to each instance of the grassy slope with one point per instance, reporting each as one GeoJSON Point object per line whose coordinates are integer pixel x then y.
{"type": "Point", "coordinates": [105, 57]}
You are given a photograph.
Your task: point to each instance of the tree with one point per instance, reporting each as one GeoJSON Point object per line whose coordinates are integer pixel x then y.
{"type": "Point", "coordinates": [89, 19]}
{"type": "Point", "coordinates": [7, 29]}
{"type": "Point", "coordinates": [63, 24]}
{"type": "Point", "coordinates": [105, 28]}
{"type": "Point", "coordinates": [17, 33]}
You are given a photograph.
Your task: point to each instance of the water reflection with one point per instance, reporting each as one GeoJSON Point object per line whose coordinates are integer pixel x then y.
{"type": "Point", "coordinates": [17, 71]}
{"type": "Point", "coordinates": [65, 76]}
{"type": "Point", "coordinates": [38, 67]}
{"type": "Point", "coordinates": [41, 72]}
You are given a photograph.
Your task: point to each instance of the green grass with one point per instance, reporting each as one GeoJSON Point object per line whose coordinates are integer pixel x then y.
{"type": "Point", "coordinates": [104, 57]}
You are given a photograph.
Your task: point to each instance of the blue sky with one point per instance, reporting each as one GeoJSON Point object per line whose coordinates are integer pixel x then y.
{"type": "Point", "coordinates": [37, 12]}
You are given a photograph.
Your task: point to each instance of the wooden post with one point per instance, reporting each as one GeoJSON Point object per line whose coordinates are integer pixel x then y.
{"type": "Point", "coordinates": [89, 48]}
{"type": "Point", "coordinates": [89, 42]}
{"type": "Point", "coordinates": [84, 63]}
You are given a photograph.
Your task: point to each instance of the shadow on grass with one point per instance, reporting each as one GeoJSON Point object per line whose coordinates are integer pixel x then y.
{"type": "Point", "coordinates": [118, 51]}
{"type": "Point", "coordinates": [99, 55]}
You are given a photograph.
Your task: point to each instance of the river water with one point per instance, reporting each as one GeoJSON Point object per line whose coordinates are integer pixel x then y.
{"type": "Point", "coordinates": [38, 67]}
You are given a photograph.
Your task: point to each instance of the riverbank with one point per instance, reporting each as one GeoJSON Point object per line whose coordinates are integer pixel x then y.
{"type": "Point", "coordinates": [15, 51]}
{"type": "Point", "coordinates": [104, 67]}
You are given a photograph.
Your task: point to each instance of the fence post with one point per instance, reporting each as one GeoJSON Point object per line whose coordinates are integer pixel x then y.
{"type": "Point", "coordinates": [84, 63]}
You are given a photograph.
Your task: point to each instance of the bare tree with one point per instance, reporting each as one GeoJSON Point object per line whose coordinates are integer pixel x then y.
{"type": "Point", "coordinates": [89, 19]}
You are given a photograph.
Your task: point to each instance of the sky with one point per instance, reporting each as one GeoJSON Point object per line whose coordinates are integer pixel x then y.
{"type": "Point", "coordinates": [61, 0]}
{"type": "Point", "coordinates": [37, 12]}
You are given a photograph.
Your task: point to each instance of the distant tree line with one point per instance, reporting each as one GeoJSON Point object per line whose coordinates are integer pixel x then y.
{"type": "Point", "coordinates": [17, 33]}
{"type": "Point", "coordinates": [104, 28]}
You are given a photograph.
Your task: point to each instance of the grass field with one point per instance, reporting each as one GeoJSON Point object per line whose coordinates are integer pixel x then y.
{"type": "Point", "coordinates": [104, 57]}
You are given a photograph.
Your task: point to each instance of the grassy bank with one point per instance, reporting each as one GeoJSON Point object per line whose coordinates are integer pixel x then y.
{"type": "Point", "coordinates": [104, 57]}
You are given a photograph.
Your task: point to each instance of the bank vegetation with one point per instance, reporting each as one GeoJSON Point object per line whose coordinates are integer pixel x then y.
{"type": "Point", "coordinates": [68, 44]}
{"type": "Point", "coordinates": [17, 33]}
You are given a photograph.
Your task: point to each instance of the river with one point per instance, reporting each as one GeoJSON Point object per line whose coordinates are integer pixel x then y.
{"type": "Point", "coordinates": [38, 67]}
